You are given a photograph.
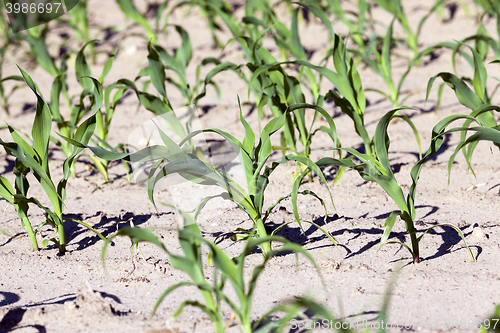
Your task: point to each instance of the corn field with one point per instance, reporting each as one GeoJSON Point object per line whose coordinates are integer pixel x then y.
{"type": "Point", "coordinates": [249, 166]}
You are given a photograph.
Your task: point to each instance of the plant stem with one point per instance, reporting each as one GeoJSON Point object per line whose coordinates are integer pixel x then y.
{"type": "Point", "coordinates": [31, 234]}
{"type": "Point", "coordinates": [62, 238]}
{"type": "Point", "coordinates": [414, 243]}
{"type": "Point", "coordinates": [261, 232]}
{"type": "Point", "coordinates": [60, 227]}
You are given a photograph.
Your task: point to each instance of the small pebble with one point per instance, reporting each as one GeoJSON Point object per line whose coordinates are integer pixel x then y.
{"type": "Point", "coordinates": [478, 234]}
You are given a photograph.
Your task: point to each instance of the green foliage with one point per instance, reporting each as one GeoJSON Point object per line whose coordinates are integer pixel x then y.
{"type": "Point", "coordinates": [358, 25]}
{"type": "Point", "coordinates": [128, 8]}
{"type": "Point", "coordinates": [171, 158]}
{"type": "Point", "coordinates": [211, 10]}
{"type": "Point", "coordinates": [160, 61]}
{"type": "Point", "coordinates": [379, 170]}
{"type": "Point", "coordinates": [395, 8]}
{"type": "Point", "coordinates": [476, 99]}
{"type": "Point", "coordinates": [225, 270]}
{"type": "Point", "coordinates": [79, 22]}
{"type": "Point", "coordinates": [7, 41]}
{"type": "Point", "coordinates": [36, 38]}
{"type": "Point", "coordinates": [34, 159]}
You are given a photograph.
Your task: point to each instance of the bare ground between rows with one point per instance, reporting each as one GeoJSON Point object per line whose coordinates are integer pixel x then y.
{"type": "Point", "coordinates": [45, 292]}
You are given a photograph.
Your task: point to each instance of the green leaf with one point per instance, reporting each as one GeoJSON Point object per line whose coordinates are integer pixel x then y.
{"type": "Point", "coordinates": [42, 124]}
{"type": "Point", "coordinates": [156, 70]}
{"type": "Point", "coordinates": [82, 69]}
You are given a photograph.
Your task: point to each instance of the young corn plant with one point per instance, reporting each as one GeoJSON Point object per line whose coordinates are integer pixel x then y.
{"type": "Point", "coordinates": [273, 86]}
{"type": "Point", "coordinates": [36, 38]}
{"type": "Point", "coordinates": [380, 61]}
{"type": "Point", "coordinates": [79, 22]}
{"type": "Point", "coordinates": [172, 159]}
{"type": "Point", "coordinates": [280, 91]}
{"type": "Point", "coordinates": [490, 8]}
{"type": "Point", "coordinates": [475, 98]}
{"type": "Point", "coordinates": [132, 13]}
{"type": "Point", "coordinates": [7, 40]}
{"type": "Point", "coordinates": [381, 64]}
{"type": "Point", "coordinates": [358, 26]}
{"type": "Point", "coordinates": [160, 62]}
{"type": "Point", "coordinates": [34, 159]}
{"type": "Point", "coordinates": [395, 8]}
{"type": "Point", "coordinates": [225, 271]}
{"type": "Point", "coordinates": [260, 15]}
{"type": "Point", "coordinates": [256, 172]}
{"type": "Point", "coordinates": [478, 101]}
{"type": "Point", "coordinates": [287, 40]}
{"type": "Point", "coordinates": [103, 119]}
{"type": "Point", "coordinates": [68, 127]}
{"type": "Point", "coordinates": [252, 29]}
{"type": "Point", "coordinates": [270, 83]}
{"type": "Point", "coordinates": [348, 93]}
{"type": "Point", "coordinates": [379, 170]}
{"type": "Point", "coordinates": [158, 105]}
{"type": "Point", "coordinates": [210, 9]}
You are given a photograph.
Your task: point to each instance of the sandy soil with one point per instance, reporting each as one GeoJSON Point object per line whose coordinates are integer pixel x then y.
{"type": "Point", "coordinates": [45, 292]}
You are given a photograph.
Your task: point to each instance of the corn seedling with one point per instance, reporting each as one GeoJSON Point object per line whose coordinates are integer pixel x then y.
{"type": "Point", "coordinates": [161, 61]}
{"type": "Point", "coordinates": [210, 9]}
{"type": "Point", "coordinates": [475, 99]}
{"type": "Point", "coordinates": [79, 22]}
{"type": "Point", "coordinates": [248, 35]}
{"type": "Point", "coordinates": [273, 86]}
{"type": "Point", "coordinates": [172, 159]}
{"type": "Point", "coordinates": [103, 119]}
{"type": "Point", "coordinates": [7, 40]}
{"type": "Point", "coordinates": [132, 13]}
{"type": "Point", "coordinates": [380, 61]}
{"type": "Point", "coordinates": [257, 174]}
{"type": "Point", "coordinates": [483, 42]}
{"type": "Point", "coordinates": [381, 64]}
{"type": "Point", "coordinates": [348, 93]}
{"type": "Point", "coordinates": [225, 270]}
{"type": "Point", "coordinates": [279, 91]}
{"type": "Point", "coordinates": [68, 127]}
{"type": "Point", "coordinates": [379, 170]}
{"type": "Point", "coordinates": [260, 15]}
{"type": "Point", "coordinates": [490, 8]}
{"type": "Point", "coordinates": [478, 101]}
{"type": "Point", "coordinates": [34, 159]}
{"type": "Point", "coordinates": [395, 8]}
{"type": "Point", "coordinates": [36, 37]}
{"type": "Point", "coordinates": [287, 40]}
{"type": "Point", "coordinates": [270, 82]}
{"type": "Point", "coordinates": [357, 26]}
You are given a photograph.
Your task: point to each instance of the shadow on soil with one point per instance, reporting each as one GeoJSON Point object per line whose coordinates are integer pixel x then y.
{"type": "Point", "coordinates": [106, 226]}
{"type": "Point", "coordinates": [450, 239]}
{"type": "Point", "coordinates": [8, 298]}
{"type": "Point", "coordinates": [14, 317]}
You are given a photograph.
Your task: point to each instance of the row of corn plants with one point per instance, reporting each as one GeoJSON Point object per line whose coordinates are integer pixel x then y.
{"type": "Point", "coordinates": [282, 86]}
